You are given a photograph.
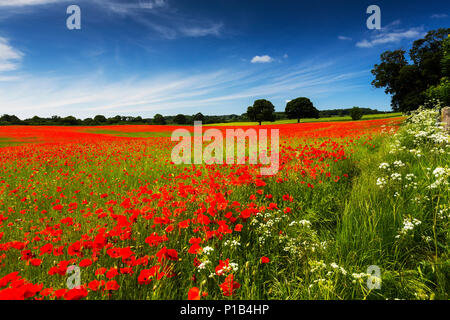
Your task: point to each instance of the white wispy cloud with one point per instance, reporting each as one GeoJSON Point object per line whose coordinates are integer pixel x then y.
{"type": "Point", "coordinates": [23, 3]}
{"type": "Point", "coordinates": [116, 5]}
{"type": "Point", "coordinates": [157, 15]}
{"type": "Point", "coordinates": [344, 38]}
{"type": "Point", "coordinates": [197, 31]}
{"type": "Point", "coordinates": [262, 59]}
{"type": "Point", "coordinates": [130, 7]}
{"type": "Point", "coordinates": [166, 21]}
{"type": "Point", "coordinates": [385, 36]}
{"type": "Point", "coordinates": [439, 16]}
{"type": "Point", "coordinates": [10, 57]}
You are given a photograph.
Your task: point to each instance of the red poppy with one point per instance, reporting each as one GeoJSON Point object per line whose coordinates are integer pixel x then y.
{"type": "Point", "coordinates": [112, 285]}
{"type": "Point", "coordinates": [111, 273]}
{"type": "Point", "coordinates": [229, 285]}
{"type": "Point", "coordinates": [85, 263]}
{"type": "Point", "coordinates": [194, 294]}
{"type": "Point", "coordinates": [146, 275]}
{"type": "Point", "coordinates": [76, 294]}
{"type": "Point", "coordinates": [94, 285]}
{"type": "Point", "coordinates": [36, 262]}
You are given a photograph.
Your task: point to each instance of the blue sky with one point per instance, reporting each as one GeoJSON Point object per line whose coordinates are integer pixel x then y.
{"type": "Point", "coordinates": [142, 57]}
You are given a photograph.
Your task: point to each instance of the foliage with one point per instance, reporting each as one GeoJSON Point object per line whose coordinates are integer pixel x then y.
{"type": "Point", "coordinates": [440, 92]}
{"type": "Point", "coordinates": [262, 110]}
{"type": "Point", "coordinates": [407, 82]}
{"type": "Point", "coordinates": [180, 119]}
{"type": "Point", "coordinates": [356, 113]}
{"type": "Point", "coordinates": [199, 117]}
{"type": "Point", "coordinates": [159, 119]}
{"type": "Point", "coordinates": [301, 108]}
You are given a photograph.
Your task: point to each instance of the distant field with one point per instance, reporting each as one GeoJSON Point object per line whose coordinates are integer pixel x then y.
{"type": "Point", "coordinates": [9, 142]}
{"type": "Point", "coordinates": [328, 119]}
{"type": "Point", "coordinates": [129, 134]}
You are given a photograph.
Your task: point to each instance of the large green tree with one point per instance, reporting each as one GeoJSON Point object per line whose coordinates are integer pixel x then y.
{"type": "Point", "coordinates": [441, 91]}
{"type": "Point", "coordinates": [262, 110]}
{"type": "Point", "coordinates": [301, 108]}
{"type": "Point", "coordinates": [407, 82]}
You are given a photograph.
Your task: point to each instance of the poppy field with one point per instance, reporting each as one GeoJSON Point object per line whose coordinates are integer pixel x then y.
{"type": "Point", "coordinates": [103, 213]}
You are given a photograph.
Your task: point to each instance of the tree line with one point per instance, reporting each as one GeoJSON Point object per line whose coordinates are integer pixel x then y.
{"type": "Point", "coordinates": [159, 119]}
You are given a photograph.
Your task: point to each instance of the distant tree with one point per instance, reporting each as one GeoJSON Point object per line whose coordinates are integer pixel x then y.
{"type": "Point", "coordinates": [88, 122]}
{"type": "Point", "coordinates": [55, 119]}
{"type": "Point", "coordinates": [69, 121]}
{"type": "Point", "coordinates": [180, 119]}
{"type": "Point", "coordinates": [262, 110]}
{"type": "Point", "coordinates": [114, 120]}
{"type": "Point", "coordinates": [35, 120]}
{"type": "Point", "coordinates": [10, 119]}
{"type": "Point", "coordinates": [199, 117]}
{"type": "Point", "coordinates": [159, 119]}
{"type": "Point", "coordinates": [356, 113]}
{"type": "Point", "coordinates": [100, 119]}
{"type": "Point", "coordinates": [301, 108]}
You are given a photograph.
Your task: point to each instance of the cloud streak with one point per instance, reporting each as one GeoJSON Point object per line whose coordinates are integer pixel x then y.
{"type": "Point", "coordinates": [439, 16]}
{"type": "Point", "coordinates": [387, 37]}
{"type": "Point", "coordinates": [23, 3]}
{"type": "Point", "coordinates": [166, 21]}
{"type": "Point", "coordinates": [9, 56]}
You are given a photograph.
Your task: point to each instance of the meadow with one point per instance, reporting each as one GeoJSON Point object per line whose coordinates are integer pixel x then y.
{"type": "Point", "coordinates": [350, 198]}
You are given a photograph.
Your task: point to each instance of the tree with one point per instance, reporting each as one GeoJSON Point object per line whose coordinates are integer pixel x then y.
{"type": "Point", "coordinates": [10, 119]}
{"type": "Point", "coordinates": [114, 120]}
{"type": "Point", "coordinates": [262, 110]}
{"type": "Point", "coordinates": [356, 113]}
{"type": "Point", "coordinates": [180, 119]}
{"type": "Point", "coordinates": [70, 121]}
{"type": "Point", "coordinates": [427, 54]}
{"type": "Point", "coordinates": [301, 108]}
{"type": "Point", "coordinates": [441, 91]}
{"type": "Point", "coordinates": [89, 122]}
{"type": "Point", "coordinates": [159, 119]}
{"type": "Point", "coordinates": [199, 117]}
{"type": "Point", "coordinates": [407, 82]}
{"type": "Point", "coordinates": [100, 119]}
